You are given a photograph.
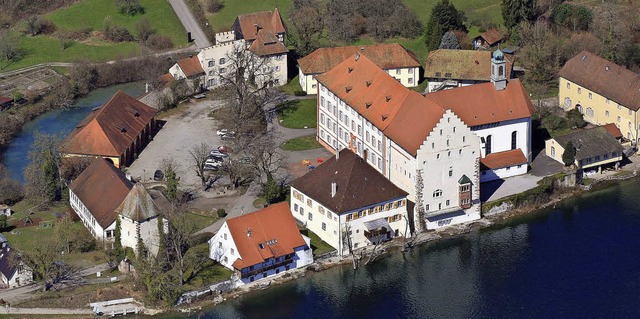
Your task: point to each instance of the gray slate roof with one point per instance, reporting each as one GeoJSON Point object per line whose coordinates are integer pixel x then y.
{"type": "Point", "coordinates": [591, 142]}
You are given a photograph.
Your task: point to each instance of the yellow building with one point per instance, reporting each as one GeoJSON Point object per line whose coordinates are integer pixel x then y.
{"type": "Point", "coordinates": [595, 147]}
{"type": "Point", "coordinates": [603, 92]}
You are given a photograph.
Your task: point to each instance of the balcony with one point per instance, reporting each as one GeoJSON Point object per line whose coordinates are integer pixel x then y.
{"type": "Point", "coordinates": [267, 268]}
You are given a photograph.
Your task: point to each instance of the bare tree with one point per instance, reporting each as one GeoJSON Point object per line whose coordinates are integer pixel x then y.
{"type": "Point", "coordinates": [199, 154]}
{"type": "Point", "coordinates": [11, 191]}
{"type": "Point", "coordinates": [48, 265]}
{"type": "Point", "coordinates": [42, 174]}
{"type": "Point", "coordinates": [541, 54]}
{"type": "Point", "coordinates": [307, 25]}
{"type": "Point", "coordinates": [180, 231]}
{"type": "Point", "coordinates": [9, 49]}
{"type": "Point", "coordinates": [246, 83]}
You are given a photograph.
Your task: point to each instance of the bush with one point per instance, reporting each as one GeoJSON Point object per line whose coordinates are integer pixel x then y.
{"type": "Point", "coordinates": [299, 93]}
{"type": "Point", "coordinates": [130, 7]}
{"type": "Point", "coordinates": [221, 213]}
{"type": "Point", "coordinates": [199, 239]}
{"type": "Point", "coordinates": [118, 34]}
{"type": "Point", "coordinates": [159, 42]}
{"type": "Point", "coordinates": [214, 6]}
{"type": "Point", "coordinates": [85, 244]}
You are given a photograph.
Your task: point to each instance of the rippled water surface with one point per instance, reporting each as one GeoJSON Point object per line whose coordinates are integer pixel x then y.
{"type": "Point", "coordinates": [578, 260]}
{"type": "Point", "coordinates": [58, 121]}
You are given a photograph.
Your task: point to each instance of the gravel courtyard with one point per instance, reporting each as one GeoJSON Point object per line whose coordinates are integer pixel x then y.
{"type": "Point", "coordinates": [190, 126]}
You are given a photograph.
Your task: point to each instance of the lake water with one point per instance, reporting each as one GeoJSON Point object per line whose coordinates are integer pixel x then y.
{"type": "Point", "coordinates": [578, 260]}
{"type": "Point", "coordinates": [58, 121]}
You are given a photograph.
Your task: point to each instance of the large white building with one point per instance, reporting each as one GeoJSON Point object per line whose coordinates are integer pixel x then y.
{"type": "Point", "coordinates": [101, 194]}
{"type": "Point", "coordinates": [261, 33]}
{"type": "Point", "coordinates": [261, 244]}
{"type": "Point", "coordinates": [397, 61]}
{"type": "Point", "coordinates": [349, 204]}
{"type": "Point", "coordinates": [435, 147]}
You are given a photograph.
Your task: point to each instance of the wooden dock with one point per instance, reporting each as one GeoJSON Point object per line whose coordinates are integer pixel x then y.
{"type": "Point", "coordinates": [118, 307]}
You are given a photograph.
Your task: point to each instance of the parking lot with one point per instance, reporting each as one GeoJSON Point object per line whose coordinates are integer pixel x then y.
{"type": "Point", "coordinates": [179, 134]}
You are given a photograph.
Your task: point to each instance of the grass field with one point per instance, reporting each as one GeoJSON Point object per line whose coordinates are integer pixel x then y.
{"type": "Point", "coordinates": [318, 245]}
{"type": "Point", "coordinates": [291, 87]}
{"type": "Point", "coordinates": [301, 115]}
{"type": "Point", "coordinates": [91, 14]}
{"type": "Point", "coordinates": [222, 20]}
{"type": "Point", "coordinates": [41, 49]}
{"type": "Point", "coordinates": [301, 143]}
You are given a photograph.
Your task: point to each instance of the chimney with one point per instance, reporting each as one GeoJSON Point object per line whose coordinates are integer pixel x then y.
{"type": "Point", "coordinates": [361, 49]}
{"type": "Point", "coordinates": [357, 56]}
{"type": "Point", "coordinates": [334, 189]}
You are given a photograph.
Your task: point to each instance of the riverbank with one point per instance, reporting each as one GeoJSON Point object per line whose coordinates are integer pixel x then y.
{"type": "Point", "coordinates": [399, 246]}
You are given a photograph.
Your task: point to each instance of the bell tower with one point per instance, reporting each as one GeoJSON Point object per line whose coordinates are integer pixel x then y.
{"type": "Point", "coordinates": [498, 70]}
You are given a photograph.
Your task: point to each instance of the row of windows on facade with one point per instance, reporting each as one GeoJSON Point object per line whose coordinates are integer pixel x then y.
{"type": "Point", "coordinates": [488, 142]}
{"type": "Point", "coordinates": [222, 61]}
{"type": "Point", "coordinates": [345, 134]}
{"type": "Point", "coordinates": [332, 108]}
{"type": "Point", "coordinates": [590, 159]}
{"type": "Point", "coordinates": [462, 188]}
{"type": "Point", "coordinates": [334, 142]}
{"type": "Point", "coordinates": [376, 209]}
{"type": "Point", "coordinates": [579, 89]}
{"type": "Point", "coordinates": [463, 202]}
{"type": "Point", "coordinates": [590, 113]}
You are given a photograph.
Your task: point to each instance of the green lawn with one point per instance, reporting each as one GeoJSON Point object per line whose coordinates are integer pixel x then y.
{"type": "Point", "coordinates": [318, 245]}
{"type": "Point", "coordinates": [302, 114]}
{"type": "Point", "coordinates": [291, 87]}
{"type": "Point", "coordinates": [41, 49]}
{"type": "Point", "coordinates": [222, 20]}
{"type": "Point", "coordinates": [301, 143]}
{"type": "Point", "coordinates": [25, 238]}
{"type": "Point", "coordinates": [92, 13]}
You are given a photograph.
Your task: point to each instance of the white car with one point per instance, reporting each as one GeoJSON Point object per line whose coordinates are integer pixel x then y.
{"type": "Point", "coordinates": [216, 153]}
{"type": "Point", "coordinates": [224, 131]}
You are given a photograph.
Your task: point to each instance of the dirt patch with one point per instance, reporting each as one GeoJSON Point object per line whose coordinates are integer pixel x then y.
{"type": "Point", "coordinates": [35, 221]}
{"type": "Point", "coordinates": [81, 296]}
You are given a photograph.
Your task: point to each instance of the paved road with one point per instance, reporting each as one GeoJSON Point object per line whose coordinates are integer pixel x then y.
{"type": "Point", "coordinates": [46, 311]}
{"type": "Point", "coordinates": [190, 23]}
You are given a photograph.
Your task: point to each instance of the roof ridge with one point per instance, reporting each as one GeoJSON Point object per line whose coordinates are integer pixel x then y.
{"type": "Point", "coordinates": [350, 170]}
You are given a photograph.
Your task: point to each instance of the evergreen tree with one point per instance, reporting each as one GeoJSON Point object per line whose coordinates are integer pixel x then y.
{"type": "Point", "coordinates": [516, 11]}
{"type": "Point", "coordinates": [117, 242]}
{"type": "Point", "coordinates": [449, 41]}
{"type": "Point", "coordinates": [161, 257]}
{"type": "Point", "coordinates": [172, 184]}
{"type": "Point", "coordinates": [444, 17]}
{"type": "Point", "coordinates": [569, 155]}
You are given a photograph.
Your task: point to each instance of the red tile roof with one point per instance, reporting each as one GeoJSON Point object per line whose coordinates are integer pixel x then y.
{"type": "Point", "coordinates": [385, 56]}
{"type": "Point", "coordinates": [503, 159]}
{"type": "Point", "coordinates": [273, 227]}
{"type": "Point", "coordinates": [603, 77]}
{"type": "Point", "coordinates": [481, 104]}
{"type": "Point", "coordinates": [4, 99]}
{"type": "Point", "coordinates": [267, 44]}
{"type": "Point", "coordinates": [110, 129]}
{"type": "Point", "coordinates": [379, 97]}
{"type": "Point", "coordinates": [191, 66]}
{"type": "Point", "coordinates": [491, 36]}
{"type": "Point", "coordinates": [358, 184]}
{"type": "Point", "coordinates": [249, 24]}
{"type": "Point", "coordinates": [101, 187]}
{"type": "Point", "coordinates": [613, 130]}
{"type": "Point", "coordinates": [470, 65]}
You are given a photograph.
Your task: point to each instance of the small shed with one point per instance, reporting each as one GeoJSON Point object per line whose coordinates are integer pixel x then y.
{"type": "Point", "coordinates": [487, 40]}
{"type": "Point", "coordinates": [5, 102]}
{"type": "Point", "coordinates": [5, 210]}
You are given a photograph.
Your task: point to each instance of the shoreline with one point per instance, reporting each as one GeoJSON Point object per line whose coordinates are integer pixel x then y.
{"type": "Point", "coordinates": [399, 246]}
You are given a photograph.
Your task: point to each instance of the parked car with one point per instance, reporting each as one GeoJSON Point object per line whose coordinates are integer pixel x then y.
{"type": "Point", "coordinates": [224, 131]}
{"type": "Point", "coordinates": [213, 162]}
{"type": "Point", "coordinates": [216, 158]}
{"type": "Point", "coordinates": [218, 153]}
{"type": "Point", "coordinates": [211, 166]}
{"type": "Point", "coordinates": [158, 175]}
{"type": "Point", "coordinates": [227, 136]}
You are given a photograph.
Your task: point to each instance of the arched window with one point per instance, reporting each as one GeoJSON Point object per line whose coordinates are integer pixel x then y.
{"type": "Point", "coordinates": [589, 112]}
{"type": "Point", "coordinates": [553, 151]}
{"type": "Point", "coordinates": [212, 63]}
{"type": "Point", "coordinates": [579, 107]}
{"type": "Point", "coordinates": [487, 146]}
{"type": "Point", "coordinates": [514, 140]}
{"type": "Point", "coordinates": [567, 102]}
{"type": "Point", "coordinates": [500, 70]}
{"type": "Point", "coordinates": [437, 193]}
